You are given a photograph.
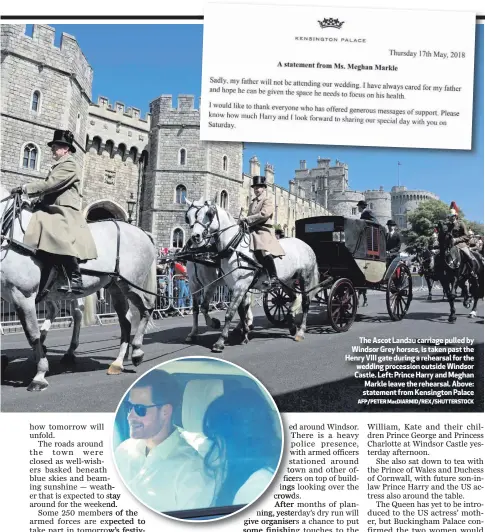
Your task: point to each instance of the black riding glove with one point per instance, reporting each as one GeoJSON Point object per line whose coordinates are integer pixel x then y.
{"type": "Point", "coordinates": [17, 190]}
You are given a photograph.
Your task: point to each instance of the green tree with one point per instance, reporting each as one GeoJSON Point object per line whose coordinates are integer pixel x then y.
{"type": "Point", "coordinates": [423, 220]}
{"type": "Point", "coordinates": [476, 227]}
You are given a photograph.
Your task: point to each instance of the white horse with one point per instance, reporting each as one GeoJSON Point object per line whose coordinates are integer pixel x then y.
{"type": "Point", "coordinates": [203, 278]}
{"type": "Point", "coordinates": [208, 221]}
{"type": "Point", "coordinates": [20, 279]}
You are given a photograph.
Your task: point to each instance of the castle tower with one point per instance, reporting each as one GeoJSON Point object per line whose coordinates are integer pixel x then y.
{"type": "Point", "coordinates": [43, 88]}
{"type": "Point", "coordinates": [182, 166]}
{"type": "Point", "coordinates": [404, 201]}
{"type": "Point", "coordinates": [379, 202]}
{"type": "Point", "coordinates": [345, 203]}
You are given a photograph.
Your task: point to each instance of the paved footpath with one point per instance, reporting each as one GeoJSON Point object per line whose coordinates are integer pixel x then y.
{"type": "Point", "coordinates": [282, 364]}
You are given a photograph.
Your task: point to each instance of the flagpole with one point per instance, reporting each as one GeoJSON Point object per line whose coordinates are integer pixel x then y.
{"type": "Point", "coordinates": [398, 165]}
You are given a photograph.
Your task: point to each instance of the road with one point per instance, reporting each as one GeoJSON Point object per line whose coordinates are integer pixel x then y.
{"type": "Point", "coordinates": [307, 376]}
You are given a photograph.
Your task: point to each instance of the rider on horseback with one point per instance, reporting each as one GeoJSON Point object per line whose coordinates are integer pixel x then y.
{"type": "Point", "coordinates": [264, 242]}
{"type": "Point", "coordinates": [57, 228]}
{"type": "Point", "coordinates": [461, 237]}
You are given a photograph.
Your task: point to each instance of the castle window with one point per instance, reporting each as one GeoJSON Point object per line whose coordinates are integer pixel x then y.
{"type": "Point", "coordinates": [35, 106]}
{"type": "Point", "coordinates": [182, 157]}
{"type": "Point", "coordinates": [354, 211]}
{"type": "Point", "coordinates": [87, 142]}
{"type": "Point", "coordinates": [178, 238]}
{"type": "Point", "coordinates": [224, 163]}
{"type": "Point", "coordinates": [247, 202]}
{"type": "Point", "coordinates": [30, 157]}
{"type": "Point", "coordinates": [180, 194]}
{"type": "Point", "coordinates": [109, 147]}
{"type": "Point", "coordinates": [224, 199]}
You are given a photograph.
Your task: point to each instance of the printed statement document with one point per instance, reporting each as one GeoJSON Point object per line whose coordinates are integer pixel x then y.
{"type": "Point", "coordinates": [328, 75]}
{"type": "Point", "coordinates": [405, 449]}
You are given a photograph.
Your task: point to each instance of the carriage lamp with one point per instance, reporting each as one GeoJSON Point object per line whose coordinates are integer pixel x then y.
{"type": "Point", "coordinates": [338, 236]}
{"type": "Point", "coordinates": [131, 207]}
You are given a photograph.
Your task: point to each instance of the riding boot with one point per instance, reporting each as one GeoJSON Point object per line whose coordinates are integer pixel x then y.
{"type": "Point", "coordinates": [75, 281]}
{"type": "Point", "coordinates": [271, 269]}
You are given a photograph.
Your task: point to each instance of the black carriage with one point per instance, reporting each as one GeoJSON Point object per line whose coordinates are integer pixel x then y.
{"type": "Point", "coordinates": [351, 255]}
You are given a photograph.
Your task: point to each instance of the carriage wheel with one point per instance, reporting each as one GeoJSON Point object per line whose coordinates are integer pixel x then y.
{"type": "Point", "coordinates": [276, 304]}
{"type": "Point", "coordinates": [342, 305]}
{"type": "Point", "coordinates": [399, 293]}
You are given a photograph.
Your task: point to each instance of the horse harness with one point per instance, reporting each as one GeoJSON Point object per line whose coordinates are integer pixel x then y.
{"type": "Point", "coordinates": [217, 256]}
{"type": "Point", "coordinates": [13, 212]}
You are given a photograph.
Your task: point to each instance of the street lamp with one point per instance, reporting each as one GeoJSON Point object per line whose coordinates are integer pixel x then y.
{"type": "Point", "coordinates": [131, 207]}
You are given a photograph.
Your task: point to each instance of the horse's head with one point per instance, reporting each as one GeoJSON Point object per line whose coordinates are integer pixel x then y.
{"type": "Point", "coordinates": [203, 220]}
{"type": "Point", "coordinates": [445, 237]}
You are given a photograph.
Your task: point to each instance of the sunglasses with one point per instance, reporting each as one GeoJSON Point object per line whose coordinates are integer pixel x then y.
{"type": "Point", "coordinates": [140, 410]}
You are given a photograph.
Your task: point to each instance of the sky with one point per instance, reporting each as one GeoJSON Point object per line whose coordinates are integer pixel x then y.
{"type": "Point", "coordinates": [135, 64]}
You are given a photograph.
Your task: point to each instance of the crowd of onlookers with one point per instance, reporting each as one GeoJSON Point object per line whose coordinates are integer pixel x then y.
{"type": "Point", "coordinates": [173, 286]}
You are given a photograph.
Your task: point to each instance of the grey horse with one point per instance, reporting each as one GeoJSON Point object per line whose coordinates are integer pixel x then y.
{"type": "Point", "coordinates": [205, 280]}
{"type": "Point", "coordinates": [210, 221]}
{"type": "Point", "coordinates": [20, 279]}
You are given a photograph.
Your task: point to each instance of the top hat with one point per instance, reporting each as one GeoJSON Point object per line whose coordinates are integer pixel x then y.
{"type": "Point", "coordinates": [362, 203]}
{"type": "Point", "coordinates": [63, 137]}
{"type": "Point", "coordinates": [391, 223]}
{"type": "Point", "coordinates": [259, 181]}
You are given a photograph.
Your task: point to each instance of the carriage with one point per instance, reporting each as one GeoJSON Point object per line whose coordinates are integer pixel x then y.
{"type": "Point", "coordinates": [351, 256]}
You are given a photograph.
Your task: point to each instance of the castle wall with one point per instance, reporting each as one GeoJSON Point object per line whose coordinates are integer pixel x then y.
{"type": "Point", "coordinates": [63, 78]}
{"type": "Point", "coordinates": [116, 142]}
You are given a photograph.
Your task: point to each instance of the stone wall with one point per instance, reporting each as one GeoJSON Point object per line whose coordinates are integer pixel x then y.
{"type": "Point", "coordinates": [63, 79]}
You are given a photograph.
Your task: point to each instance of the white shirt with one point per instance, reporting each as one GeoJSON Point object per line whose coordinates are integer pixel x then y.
{"type": "Point", "coordinates": [254, 486]}
{"type": "Point", "coordinates": [171, 477]}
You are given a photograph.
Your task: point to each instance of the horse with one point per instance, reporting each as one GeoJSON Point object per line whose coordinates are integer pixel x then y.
{"type": "Point", "coordinates": [240, 268]}
{"type": "Point", "coordinates": [450, 268]}
{"type": "Point", "coordinates": [133, 282]}
{"type": "Point", "coordinates": [426, 261]}
{"type": "Point", "coordinates": [205, 279]}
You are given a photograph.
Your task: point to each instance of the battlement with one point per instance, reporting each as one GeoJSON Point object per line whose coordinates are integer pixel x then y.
{"type": "Point", "coordinates": [40, 49]}
{"type": "Point", "coordinates": [163, 112]}
{"type": "Point", "coordinates": [119, 113]}
{"type": "Point", "coordinates": [381, 193]}
{"type": "Point", "coordinates": [403, 191]}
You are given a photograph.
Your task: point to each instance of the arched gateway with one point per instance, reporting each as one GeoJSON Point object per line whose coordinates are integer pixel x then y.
{"type": "Point", "coordinates": [105, 210]}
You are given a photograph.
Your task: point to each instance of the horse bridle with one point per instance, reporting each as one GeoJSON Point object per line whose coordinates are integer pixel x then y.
{"type": "Point", "coordinates": [206, 235]}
